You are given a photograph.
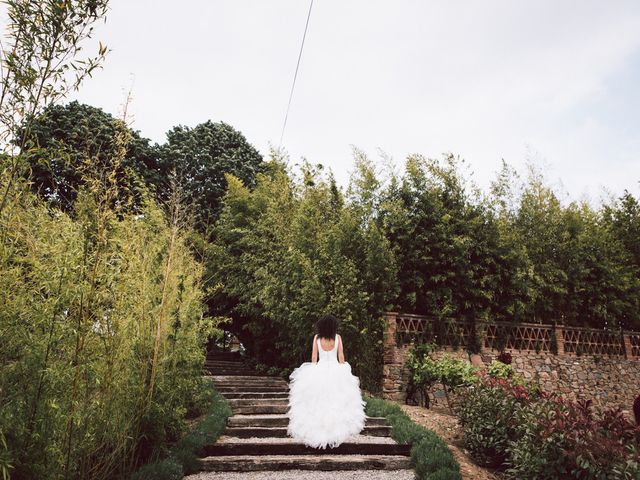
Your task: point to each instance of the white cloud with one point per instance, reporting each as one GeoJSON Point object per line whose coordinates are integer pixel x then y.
{"type": "Point", "coordinates": [483, 79]}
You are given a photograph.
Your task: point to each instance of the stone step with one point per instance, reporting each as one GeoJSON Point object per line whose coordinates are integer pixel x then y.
{"type": "Point", "coordinates": [224, 357]}
{"type": "Point", "coordinates": [251, 384]}
{"type": "Point", "coordinates": [238, 395]}
{"type": "Point", "coordinates": [281, 432]}
{"type": "Point", "coordinates": [248, 402]}
{"type": "Point", "coordinates": [282, 421]}
{"type": "Point", "coordinates": [228, 366]}
{"type": "Point", "coordinates": [228, 373]}
{"type": "Point", "coordinates": [404, 474]}
{"type": "Point", "coordinates": [247, 463]}
{"type": "Point", "coordinates": [251, 389]}
{"type": "Point", "coordinates": [260, 409]}
{"type": "Point", "coordinates": [225, 362]}
{"type": "Point", "coordinates": [269, 387]}
{"type": "Point", "coordinates": [354, 445]}
{"type": "Point", "coordinates": [244, 379]}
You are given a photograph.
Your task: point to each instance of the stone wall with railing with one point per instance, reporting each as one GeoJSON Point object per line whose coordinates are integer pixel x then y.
{"type": "Point", "coordinates": [602, 365]}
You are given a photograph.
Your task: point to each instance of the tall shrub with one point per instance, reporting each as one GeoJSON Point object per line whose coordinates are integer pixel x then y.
{"type": "Point", "coordinates": [102, 332]}
{"type": "Point", "coordinates": [292, 249]}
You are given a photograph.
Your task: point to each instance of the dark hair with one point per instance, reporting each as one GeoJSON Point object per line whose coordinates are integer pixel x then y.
{"type": "Point", "coordinates": [327, 326]}
{"type": "Point", "coordinates": [636, 410]}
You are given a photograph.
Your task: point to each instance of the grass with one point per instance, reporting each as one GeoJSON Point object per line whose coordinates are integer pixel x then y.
{"type": "Point", "coordinates": [431, 456]}
{"type": "Point", "coordinates": [183, 457]}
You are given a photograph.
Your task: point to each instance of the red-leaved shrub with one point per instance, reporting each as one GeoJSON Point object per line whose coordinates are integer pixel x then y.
{"type": "Point", "coordinates": [504, 357]}
{"type": "Point", "coordinates": [538, 435]}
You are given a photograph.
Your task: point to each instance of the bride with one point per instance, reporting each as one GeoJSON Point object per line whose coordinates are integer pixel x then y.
{"type": "Point", "coordinates": [325, 405]}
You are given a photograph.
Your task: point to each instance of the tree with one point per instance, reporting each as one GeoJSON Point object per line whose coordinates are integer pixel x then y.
{"type": "Point", "coordinates": [288, 251]}
{"type": "Point", "coordinates": [41, 65]}
{"type": "Point", "coordinates": [201, 156]}
{"type": "Point", "coordinates": [69, 139]}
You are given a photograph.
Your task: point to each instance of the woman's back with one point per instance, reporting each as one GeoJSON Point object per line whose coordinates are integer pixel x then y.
{"type": "Point", "coordinates": [328, 355]}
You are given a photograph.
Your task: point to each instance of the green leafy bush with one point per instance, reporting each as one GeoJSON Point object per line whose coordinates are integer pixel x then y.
{"type": "Point", "coordinates": [167, 469]}
{"type": "Point", "coordinates": [184, 457]}
{"type": "Point", "coordinates": [488, 416]}
{"type": "Point", "coordinates": [431, 456]}
{"type": "Point", "coordinates": [500, 370]}
{"type": "Point", "coordinates": [425, 372]}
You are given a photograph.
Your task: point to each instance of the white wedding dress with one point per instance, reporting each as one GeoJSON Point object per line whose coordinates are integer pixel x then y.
{"type": "Point", "coordinates": [325, 404]}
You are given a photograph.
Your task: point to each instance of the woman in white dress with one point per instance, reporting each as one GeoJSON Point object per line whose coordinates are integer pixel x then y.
{"type": "Point", "coordinates": [325, 404]}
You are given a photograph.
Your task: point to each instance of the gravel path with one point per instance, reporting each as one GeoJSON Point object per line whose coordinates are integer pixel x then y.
{"type": "Point", "coordinates": [446, 426]}
{"type": "Point", "coordinates": [307, 475]}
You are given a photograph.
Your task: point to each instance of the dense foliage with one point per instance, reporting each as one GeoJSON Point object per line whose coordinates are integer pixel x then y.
{"type": "Point", "coordinates": [102, 326]}
{"type": "Point", "coordinates": [66, 141]}
{"type": "Point", "coordinates": [63, 141]}
{"type": "Point", "coordinates": [200, 157]}
{"type": "Point", "coordinates": [533, 435]}
{"type": "Point", "coordinates": [514, 254]}
{"type": "Point", "coordinates": [183, 459]}
{"type": "Point", "coordinates": [431, 456]}
{"type": "Point", "coordinates": [103, 332]}
{"type": "Point", "coordinates": [291, 249]}
{"type": "Point", "coordinates": [426, 372]}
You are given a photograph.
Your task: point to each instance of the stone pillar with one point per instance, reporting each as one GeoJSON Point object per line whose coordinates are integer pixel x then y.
{"type": "Point", "coordinates": [390, 348]}
{"type": "Point", "coordinates": [628, 349]}
{"type": "Point", "coordinates": [559, 339]}
{"type": "Point", "coordinates": [391, 368]}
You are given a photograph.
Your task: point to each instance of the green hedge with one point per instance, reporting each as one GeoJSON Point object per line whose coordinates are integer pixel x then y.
{"type": "Point", "coordinates": [183, 458]}
{"type": "Point", "coordinates": [432, 458]}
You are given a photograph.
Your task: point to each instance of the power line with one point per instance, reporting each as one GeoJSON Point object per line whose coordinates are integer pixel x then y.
{"type": "Point", "coordinates": [295, 76]}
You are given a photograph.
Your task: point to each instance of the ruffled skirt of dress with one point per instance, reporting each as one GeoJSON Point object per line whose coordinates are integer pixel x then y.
{"type": "Point", "coordinates": [325, 404]}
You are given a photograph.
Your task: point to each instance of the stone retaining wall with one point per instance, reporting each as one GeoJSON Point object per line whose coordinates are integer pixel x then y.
{"type": "Point", "coordinates": [608, 381]}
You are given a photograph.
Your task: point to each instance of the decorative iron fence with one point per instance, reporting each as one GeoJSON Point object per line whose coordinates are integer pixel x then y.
{"type": "Point", "coordinates": [582, 341]}
{"type": "Point", "coordinates": [502, 336]}
{"type": "Point", "coordinates": [517, 336]}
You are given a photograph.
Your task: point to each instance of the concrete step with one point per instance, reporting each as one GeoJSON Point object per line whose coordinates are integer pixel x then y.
{"type": "Point", "coordinates": [260, 409]}
{"type": "Point", "coordinates": [247, 463]}
{"type": "Point", "coordinates": [251, 389]}
{"type": "Point", "coordinates": [281, 432]}
{"type": "Point", "coordinates": [238, 395]}
{"type": "Point", "coordinates": [282, 421]}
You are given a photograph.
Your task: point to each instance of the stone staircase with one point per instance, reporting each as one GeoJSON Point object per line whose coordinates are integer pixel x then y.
{"type": "Point", "coordinates": [256, 440]}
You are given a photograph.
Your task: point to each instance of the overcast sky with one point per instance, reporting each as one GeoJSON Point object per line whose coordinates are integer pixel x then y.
{"type": "Point", "coordinates": [557, 80]}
